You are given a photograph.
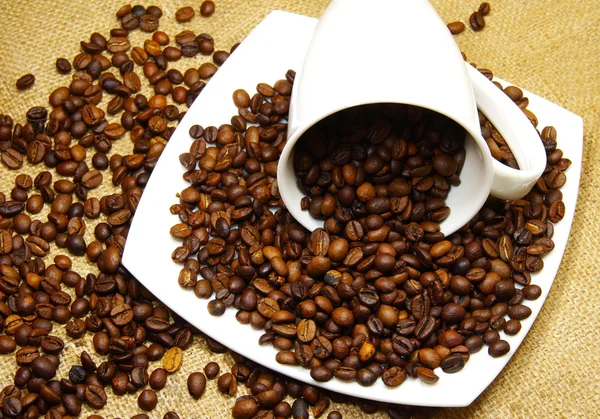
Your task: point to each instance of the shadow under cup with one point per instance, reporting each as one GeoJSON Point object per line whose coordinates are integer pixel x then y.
{"type": "Point", "coordinates": [425, 132]}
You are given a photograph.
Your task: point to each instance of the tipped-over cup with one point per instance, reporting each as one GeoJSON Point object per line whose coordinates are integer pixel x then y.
{"type": "Point", "coordinates": [400, 51]}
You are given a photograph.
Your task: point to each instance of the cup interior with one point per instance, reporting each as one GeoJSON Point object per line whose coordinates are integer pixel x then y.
{"type": "Point", "coordinates": [464, 198]}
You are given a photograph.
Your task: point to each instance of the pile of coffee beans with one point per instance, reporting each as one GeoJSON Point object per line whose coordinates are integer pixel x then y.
{"type": "Point", "coordinates": [318, 322]}
{"type": "Point", "coordinates": [379, 291]}
{"type": "Point", "coordinates": [372, 165]}
{"type": "Point", "coordinates": [69, 152]}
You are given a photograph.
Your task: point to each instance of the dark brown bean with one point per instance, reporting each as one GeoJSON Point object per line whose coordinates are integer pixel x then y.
{"type": "Point", "coordinates": [147, 400]}
{"type": "Point", "coordinates": [25, 82]}
{"type": "Point", "coordinates": [207, 8]}
{"type": "Point", "coordinates": [498, 348]}
{"type": "Point", "coordinates": [196, 384]}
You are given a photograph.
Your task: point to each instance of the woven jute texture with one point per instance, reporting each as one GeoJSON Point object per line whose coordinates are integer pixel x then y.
{"type": "Point", "coordinates": [551, 47]}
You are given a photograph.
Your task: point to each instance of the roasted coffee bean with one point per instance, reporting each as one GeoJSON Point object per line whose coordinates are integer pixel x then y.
{"type": "Point", "coordinates": [63, 65]}
{"type": "Point", "coordinates": [245, 407]}
{"type": "Point", "coordinates": [77, 374]}
{"type": "Point", "coordinates": [95, 396]}
{"type": "Point", "coordinates": [42, 367]}
{"type": "Point", "coordinates": [532, 292]}
{"type": "Point", "coordinates": [484, 8]}
{"type": "Point", "coordinates": [139, 377]}
{"type": "Point", "coordinates": [196, 384]}
{"type": "Point", "coordinates": [211, 370]}
{"type": "Point", "coordinates": [207, 8]}
{"type": "Point", "coordinates": [219, 57]}
{"type": "Point", "coordinates": [184, 14]}
{"type": "Point", "coordinates": [512, 327]}
{"type": "Point", "coordinates": [519, 312]}
{"type": "Point", "coordinates": [25, 82]}
{"type": "Point", "coordinates": [474, 343]}
{"type": "Point", "coordinates": [158, 379]}
{"type": "Point", "coordinates": [321, 373]}
{"type": "Point", "coordinates": [7, 345]}
{"type": "Point", "coordinates": [300, 409]}
{"type": "Point", "coordinates": [427, 375]}
{"type": "Point", "coordinates": [456, 27]}
{"type": "Point", "coordinates": [393, 376]}
{"type": "Point", "coordinates": [453, 364]}
{"type": "Point", "coordinates": [498, 348]}
{"type": "Point", "coordinates": [366, 377]}
{"type": "Point", "coordinates": [147, 400]}
{"type": "Point", "coordinates": [477, 21]}
{"type": "Point", "coordinates": [227, 383]}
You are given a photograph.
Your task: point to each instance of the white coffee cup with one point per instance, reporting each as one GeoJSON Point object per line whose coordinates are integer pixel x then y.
{"type": "Point", "coordinates": [400, 51]}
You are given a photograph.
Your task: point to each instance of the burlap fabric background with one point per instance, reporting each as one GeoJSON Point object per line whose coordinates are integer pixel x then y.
{"type": "Point", "coordinates": [551, 47]}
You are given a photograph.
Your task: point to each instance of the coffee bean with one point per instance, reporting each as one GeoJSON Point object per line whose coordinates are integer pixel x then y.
{"type": "Point", "coordinates": [147, 400]}
{"type": "Point", "coordinates": [321, 373]}
{"type": "Point", "coordinates": [366, 377]}
{"type": "Point", "coordinates": [25, 82]}
{"type": "Point", "coordinates": [532, 292]}
{"type": "Point", "coordinates": [148, 22]}
{"type": "Point", "coordinates": [207, 8]}
{"type": "Point", "coordinates": [227, 383]}
{"type": "Point", "coordinates": [477, 21]}
{"type": "Point", "coordinates": [211, 370]}
{"type": "Point", "coordinates": [7, 345]}
{"type": "Point", "coordinates": [118, 44]}
{"type": "Point", "coordinates": [26, 355]}
{"type": "Point", "coordinates": [158, 379]}
{"type": "Point", "coordinates": [184, 14]}
{"type": "Point", "coordinates": [484, 8]}
{"type": "Point", "coordinates": [207, 70]}
{"type": "Point", "coordinates": [63, 65]}
{"type": "Point", "coordinates": [77, 374]}
{"type": "Point", "coordinates": [219, 57]}
{"type": "Point", "coordinates": [342, 316]}
{"type": "Point", "coordinates": [95, 396]}
{"type": "Point", "coordinates": [426, 375]}
{"type": "Point", "coordinates": [245, 407]}
{"type": "Point", "coordinates": [42, 367]}
{"type": "Point", "coordinates": [300, 409]}
{"type": "Point", "coordinates": [456, 27]}
{"type": "Point", "coordinates": [519, 312]}
{"type": "Point", "coordinates": [172, 360]}
{"type": "Point", "coordinates": [9, 209]}
{"type": "Point", "coordinates": [453, 364]}
{"type": "Point", "coordinates": [12, 407]}
{"type": "Point", "coordinates": [393, 377]}
{"type": "Point", "coordinates": [498, 348]}
{"type": "Point", "coordinates": [121, 314]}
{"type": "Point", "coordinates": [512, 327]}
{"type": "Point", "coordinates": [196, 384]}
{"type": "Point", "coordinates": [474, 343]}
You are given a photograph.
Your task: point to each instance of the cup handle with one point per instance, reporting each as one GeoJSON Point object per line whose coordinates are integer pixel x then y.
{"type": "Point", "coordinates": [518, 132]}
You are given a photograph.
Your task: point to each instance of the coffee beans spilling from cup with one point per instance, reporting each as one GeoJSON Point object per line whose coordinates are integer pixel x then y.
{"type": "Point", "coordinates": [379, 291]}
